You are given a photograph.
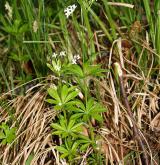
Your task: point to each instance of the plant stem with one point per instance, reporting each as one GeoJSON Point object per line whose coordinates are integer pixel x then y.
{"type": "Point", "coordinates": [136, 130]}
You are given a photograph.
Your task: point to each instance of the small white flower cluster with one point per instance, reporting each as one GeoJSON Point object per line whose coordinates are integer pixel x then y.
{"type": "Point", "coordinates": [75, 58]}
{"type": "Point", "coordinates": [69, 10]}
{"type": "Point", "coordinates": [54, 55]}
{"type": "Point", "coordinates": [56, 65]}
{"type": "Point", "coordinates": [57, 68]}
{"type": "Point", "coordinates": [61, 54]}
{"type": "Point", "coordinates": [9, 10]}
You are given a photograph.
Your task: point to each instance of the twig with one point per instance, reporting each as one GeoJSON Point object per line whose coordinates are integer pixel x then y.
{"type": "Point", "coordinates": [136, 130]}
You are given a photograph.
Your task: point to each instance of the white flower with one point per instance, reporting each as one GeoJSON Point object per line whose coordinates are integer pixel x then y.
{"type": "Point", "coordinates": [9, 10]}
{"type": "Point", "coordinates": [62, 54]}
{"type": "Point", "coordinates": [35, 26]}
{"type": "Point", "coordinates": [57, 68]}
{"type": "Point", "coordinates": [69, 10]}
{"type": "Point", "coordinates": [75, 58]}
{"type": "Point", "coordinates": [54, 55]}
{"type": "Point", "coordinates": [74, 61]}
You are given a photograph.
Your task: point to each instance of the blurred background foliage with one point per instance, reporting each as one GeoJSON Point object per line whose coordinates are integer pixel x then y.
{"type": "Point", "coordinates": [37, 28]}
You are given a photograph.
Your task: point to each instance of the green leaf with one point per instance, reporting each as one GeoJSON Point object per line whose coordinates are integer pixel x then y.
{"type": "Point", "coordinates": [71, 103]}
{"type": "Point", "coordinates": [4, 141]}
{"type": "Point", "coordinates": [51, 101]}
{"type": "Point", "coordinates": [77, 127]}
{"type": "Point", "coordinates": [92, 70]}
{"type": "Point", "coordinates": [72, 88]}
{"type": "Point", "coordinates": [97, 117]}
{"type": "Point", "coordinates": [76, 70]}
{"type": "Point", "coordinates": [77, 115]}
{"type": "Point", "coordinates": [71, 96]}
{"type": "Point", "coordinates": [81, 105]}
{"type": "Point", "coordinates": [66, 99]}
{"type": "Point", "coordinates": [63, 129]}
{"type": "Point", "coordinates": [64, 155]}
{"type": "Point", "coordinates": [23, 28]}
{"type": "Point", "coordinates": [84, 147]}
{"type": "Point", "coordinates": [75, 146]}
{"type": "Point", "coordinates": [2, 135]}
{"type": "Point", "coordinates": [70, 124]}
{"type": "Point", "coordinates": [62, 149]}
{"type": "Point", "coordinates": [59, 133]}
{"type": "Point", "coordinates": [89, 104]}
{"type": "Point", "coordinates": [54, 94]}
{"type": "Point", "coordinates": [58, 107]}
{"type": "Point", "coordinates": [7, 135]}
{"type": "Point", "coordinates": [64, 93]}
{"type": "Point", "coordinates": [57, 126]}
{"type": "Point", "coordinates": [63, 122]}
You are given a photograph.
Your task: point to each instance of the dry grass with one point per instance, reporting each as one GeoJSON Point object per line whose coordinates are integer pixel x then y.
{"type": "Point", "coordinates": [33, 119]}
{"type": "Point", "coordinates": [119, 143]}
